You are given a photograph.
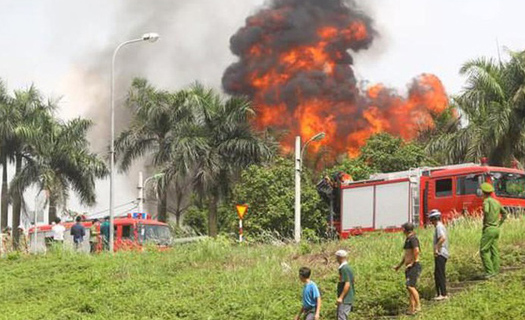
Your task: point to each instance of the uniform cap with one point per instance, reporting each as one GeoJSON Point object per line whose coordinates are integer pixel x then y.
{"type": "Point", "coordinates": [341, 253]}
{"type": "Point", "coordinates": [487, 187]}
{"type": "Point", "coordinates": [435, 213]}
{"type": "Point", "coordinates": [21, 227]}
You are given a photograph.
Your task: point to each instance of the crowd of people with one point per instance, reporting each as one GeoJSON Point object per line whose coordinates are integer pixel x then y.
{"type": "Point", "coordinates": [493, 217]}
{"type": "Point", "coordinates": [98, 236]}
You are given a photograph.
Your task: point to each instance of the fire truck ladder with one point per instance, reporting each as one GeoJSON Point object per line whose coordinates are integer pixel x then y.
{"type": "Point", "coordinates": [414, 177]}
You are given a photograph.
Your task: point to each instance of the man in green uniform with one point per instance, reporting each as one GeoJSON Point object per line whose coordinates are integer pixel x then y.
{"type": "Point", "coordinates": [491, 222]}
{"type": "Point", "coordinates": [94, 236]}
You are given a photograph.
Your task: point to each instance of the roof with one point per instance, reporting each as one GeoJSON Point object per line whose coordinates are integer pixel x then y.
{"type": "Point", "coordinates": [117, 221]}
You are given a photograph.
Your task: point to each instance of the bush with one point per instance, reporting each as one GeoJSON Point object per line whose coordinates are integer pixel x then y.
{"type": "Point", "coordinates": [269, 193]}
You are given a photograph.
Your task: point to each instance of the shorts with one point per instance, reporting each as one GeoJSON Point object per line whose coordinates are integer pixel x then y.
{"type": "Point", "coordinates": [412, 274]}
{"type": "Point", "coordinates": [309, 314]}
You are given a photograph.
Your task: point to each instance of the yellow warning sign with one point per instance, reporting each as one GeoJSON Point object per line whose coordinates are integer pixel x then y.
{"type": "Point", "coordinates": [241, 210]}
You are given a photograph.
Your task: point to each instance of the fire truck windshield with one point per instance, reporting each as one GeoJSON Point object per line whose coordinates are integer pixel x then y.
{"type": "Point", "coordinates": [509, 185]}
{"type": "Point", "coordinates": [160, 235]}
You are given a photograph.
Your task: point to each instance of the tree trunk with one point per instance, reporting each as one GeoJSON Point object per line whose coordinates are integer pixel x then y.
{"type": "Point", "coordinates": [5, 194]}
{"type": "Point", "coordinates": [162, 207]}
{"type": "Point", "coordinates": [17, 204]}
{"type": "Point", "coordinates": [212, 215]}
{"type": "Point", "coordinates": [52, 213]}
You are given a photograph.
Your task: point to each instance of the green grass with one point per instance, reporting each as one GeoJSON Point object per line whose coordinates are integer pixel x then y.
{"type": "Point", "coordinates": [218, 280]}
{"type": "Point", "coordinates": [501, 298]}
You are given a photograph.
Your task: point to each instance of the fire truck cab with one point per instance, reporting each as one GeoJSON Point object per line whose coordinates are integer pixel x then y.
{"type": "Point", "coordinates": [132, 231]}
{"type": "Point", "coordinates": [386, 201]}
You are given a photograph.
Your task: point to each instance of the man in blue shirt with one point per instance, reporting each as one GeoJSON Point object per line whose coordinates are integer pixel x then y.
{"type": "Point", "coordinates": [78, 232]}
{"type": "Point", "coordinates": [311, 307]}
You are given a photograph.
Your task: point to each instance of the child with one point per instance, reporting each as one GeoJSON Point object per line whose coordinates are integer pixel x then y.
{"type": "Point", "coordinates": [311, 307]}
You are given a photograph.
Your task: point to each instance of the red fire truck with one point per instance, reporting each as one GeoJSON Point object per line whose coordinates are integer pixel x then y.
{"type": "Point", "coordinates": [386, 201]}
{"type": "Point", "coordinates": [132, 231]}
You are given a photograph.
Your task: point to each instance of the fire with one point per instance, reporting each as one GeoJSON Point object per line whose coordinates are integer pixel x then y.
{"type": "Point", "coordinates": [296, 67]}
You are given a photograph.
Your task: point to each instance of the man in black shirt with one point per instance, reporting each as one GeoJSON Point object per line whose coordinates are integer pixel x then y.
{"type": "Point", "coordinates": [412, 267]}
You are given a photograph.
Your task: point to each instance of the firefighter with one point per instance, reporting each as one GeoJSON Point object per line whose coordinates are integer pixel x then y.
{"type": "Point", "coordinates": [7, 241]}
{"type": "Point", "coordinates": [23, 243]}
{"type": "Point", "coordinates": [94, 236]}
{"type": "Point", "coordinates": [489, 251]}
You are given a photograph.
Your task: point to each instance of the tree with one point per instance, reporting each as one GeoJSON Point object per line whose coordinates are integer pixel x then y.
{"type": "Point", "coordinates": [58, 161]}
{"type": "Point", "coordinates": [492, 106]}
{"type": "Point", "coordinates": [7, 127]}
{"type": "Point", "coordinates": [223, 143]}
{"type": "Point", "coordinates": [386, 153]}
{"type": "Point", "coordinates": [154, 129]}
{"type": "Point", "coordinates": [269, 192]}
{"type": "Point", "coordinates": [356, 167]}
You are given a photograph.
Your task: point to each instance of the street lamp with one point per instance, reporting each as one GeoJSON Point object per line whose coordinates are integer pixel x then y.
{"type": "Point", "coordinates": [150, 37]}
{"type": "Point", "coordinates": [299, 152]}
{"type": "Point", "coordinates": [142, 186]}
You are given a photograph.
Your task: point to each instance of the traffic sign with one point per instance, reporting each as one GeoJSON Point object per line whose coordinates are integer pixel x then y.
{"type": "Point", "coordinates": [241, 210]}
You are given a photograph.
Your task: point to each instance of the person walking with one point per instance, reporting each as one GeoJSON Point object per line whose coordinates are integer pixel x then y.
{"type": "Point", "coordinates": [104, 231]}
{"type": "Point", "coordinates": [311, 306]}
{"type": "Point", "coordinates": [412, 266]}
{"type": "Point", "coordinates": [345, 286]}
{"type": "Point", "coordinates": [23, 242]}
{"type": "Point", "coordinates": [94, 236]}
{"type": "Point", "coordinates": [492, 222]}
{"type": "Point", "coordinates": [78, 232]}
{"type": "Point", "coordinates": [441, 254]}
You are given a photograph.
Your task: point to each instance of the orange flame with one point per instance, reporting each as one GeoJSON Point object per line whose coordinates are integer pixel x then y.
{"type": "Point", "coordinates": [305, 85]}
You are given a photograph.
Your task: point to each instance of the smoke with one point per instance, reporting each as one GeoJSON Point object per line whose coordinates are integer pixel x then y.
{"type": "Point", "coordinates": [295, 63]}
{"type": "Point", "coordinates": [193, 33]}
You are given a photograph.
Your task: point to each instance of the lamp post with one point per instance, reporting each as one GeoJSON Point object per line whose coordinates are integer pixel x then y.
{"type": "Point", "coordinates": [298, 168]}
{"type": "Point", "coordinates": [150, 37]}
{"type": "Point", "coordinates": [142, 186]}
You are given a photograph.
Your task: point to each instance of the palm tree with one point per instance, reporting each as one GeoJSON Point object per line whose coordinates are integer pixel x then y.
{"type": "Point", "coordinates": [152, 131]}
{"type": "Point", "coordinates": [492, 107]}
{"type": "Point", "coordinates": [6, 135]}
{"type": "Point", "coordinates": [26, 111]}
{"type": "Point", "coordinates": [224, 143]}
{"type": "Point", "coordinates": [59, 161]}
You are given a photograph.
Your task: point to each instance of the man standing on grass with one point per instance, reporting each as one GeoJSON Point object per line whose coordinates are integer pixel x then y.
{"type": "Point", "coordinates": [489, 251]}
{"type": "Point", "coordinates": [94, 236]}
{"type": "Point", "coordinates": [23, 241]}
{"type": "Point", "coordinates": [104, 231]}
{"type": "Point", "coordinates": [311, 297]}
{"type": "Point", "coordinates": [412, 267]}
{"type": "Point", "coordinates": [440, 254]}
{"type": "Point", "coordinates": [345, 286]}
{"type": "Point", "coordinates": [78, 232]}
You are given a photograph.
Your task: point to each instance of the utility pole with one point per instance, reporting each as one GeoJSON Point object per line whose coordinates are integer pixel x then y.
{"type": "Point", "coordinates": [298, 160]}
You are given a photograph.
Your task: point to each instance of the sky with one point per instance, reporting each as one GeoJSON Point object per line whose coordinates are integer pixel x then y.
{"type": "Point", "coordinates": [64, 47]}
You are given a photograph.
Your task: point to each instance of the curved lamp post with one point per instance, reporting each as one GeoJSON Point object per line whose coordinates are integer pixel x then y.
{"type": "Point", "coordinates": [299, 152]}
{"type": "Point", "coordinates": [149, 37]}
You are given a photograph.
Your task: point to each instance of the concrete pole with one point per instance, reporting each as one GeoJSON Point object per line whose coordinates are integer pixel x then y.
{"type": "Point", "coordinates": [297, 229]}
{"type": "Point", "coordinates": [141, 193]}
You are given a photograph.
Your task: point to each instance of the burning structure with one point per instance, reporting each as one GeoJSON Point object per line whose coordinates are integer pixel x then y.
{"type": "Point", "coordinates": [295, 65]}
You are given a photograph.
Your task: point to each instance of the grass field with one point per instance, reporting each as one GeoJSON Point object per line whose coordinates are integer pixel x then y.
{"type": "Point", "coordinates": [220, 280]}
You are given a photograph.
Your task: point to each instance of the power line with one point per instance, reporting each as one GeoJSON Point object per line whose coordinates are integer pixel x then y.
{"type": "Point", "coordinates": [116, 207]}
